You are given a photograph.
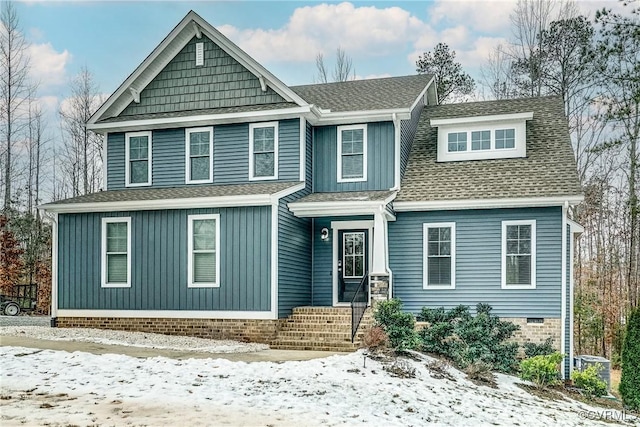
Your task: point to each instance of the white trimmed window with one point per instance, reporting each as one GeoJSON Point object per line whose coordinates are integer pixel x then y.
{"type": "Point", "coordinates": [263, 151]}
{"type": "Point", "coordinates": [498, 139]}
{"type": "Point", "coordinates": [439, 251]}
{"type": "Point", "coordinates": [116, 252]}
{"type": "Point", "coordinates": [352, 153]}
{"type": "Point", "coordinates": [199, 155]}
{"type": "Point", "coordinates": [138, 159]}
{"type": "Point", "coordinates": [203, 248]}
{"type": "Point", "coordinates": [519, 254]}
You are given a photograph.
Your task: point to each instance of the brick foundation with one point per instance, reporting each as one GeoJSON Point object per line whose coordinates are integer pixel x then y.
{"type": "Point", "coordinates": [537, 332]}
{"type": "Point", "coordinates": [249, 330]}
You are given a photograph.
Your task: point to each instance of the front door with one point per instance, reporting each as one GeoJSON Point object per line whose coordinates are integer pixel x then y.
{"type": "Point", "coordinates": [352, 263]}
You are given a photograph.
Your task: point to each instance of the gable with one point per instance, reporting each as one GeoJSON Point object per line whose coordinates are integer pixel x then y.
{"type": "Point", "coordinates": [182, 85]}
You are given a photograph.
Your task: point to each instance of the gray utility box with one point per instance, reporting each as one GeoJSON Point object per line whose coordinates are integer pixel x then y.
{"type": "Point", "coordinates": [583, 362]}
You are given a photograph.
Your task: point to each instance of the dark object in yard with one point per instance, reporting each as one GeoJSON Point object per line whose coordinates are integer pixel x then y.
{"type": "Point", "coordinates": [8, 307]}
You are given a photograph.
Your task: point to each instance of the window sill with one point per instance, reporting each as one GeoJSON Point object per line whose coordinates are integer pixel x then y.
{"type": "Point", "coordinates": [203, 285]}
{"type": "Point", "coordinates": [518, 286]}
{"type": "Point", "coordinates": [138, 184]}
{"type": "Point", "coordinates": [262, 178]}
{"type": "Point", "coordinates": [116, 285]}
{"type": "Point", "coordinates": [437, 287]}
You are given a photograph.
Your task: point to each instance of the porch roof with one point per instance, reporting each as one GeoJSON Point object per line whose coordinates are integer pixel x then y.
{"type": "Point", "coordinates": [343, 203]}
{"type": "Point", "coordinates": [176, 197]}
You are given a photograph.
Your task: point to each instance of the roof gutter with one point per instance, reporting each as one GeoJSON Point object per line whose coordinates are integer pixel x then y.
{"type": "Point", "coordinates": [527, 202]}
{"type": "Point", "coordinates": [327, 117]}
{"type": "Point", "coordinates": [341, 208]}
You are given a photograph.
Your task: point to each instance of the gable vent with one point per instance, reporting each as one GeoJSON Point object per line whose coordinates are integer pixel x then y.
{"type": "Point", "coordinates": [199, 54]}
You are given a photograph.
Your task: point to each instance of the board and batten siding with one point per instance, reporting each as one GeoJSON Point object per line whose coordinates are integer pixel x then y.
{"type": "Point", "coordinates": [220, 82]}
{"type": "Point", "coordinates": [230, 155]}
{"type": "Point", "coordinates": [159, 262]}
{"type": "Point", "coordinates": [294, 257]}
{"type": "Point", "coordinates": [407, 134]}
{"type": "Point", "coordinates": [478, 262]}
{"type": "Point", "coordinates": [380, 159]}
{"type": "Point", "coordinates": [568, 319]}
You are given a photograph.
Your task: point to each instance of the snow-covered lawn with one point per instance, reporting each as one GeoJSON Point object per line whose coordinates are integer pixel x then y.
{"type": "Point", "coordinates": [136, 339]}
{"type": "Point", "coordinates": [44, 387]}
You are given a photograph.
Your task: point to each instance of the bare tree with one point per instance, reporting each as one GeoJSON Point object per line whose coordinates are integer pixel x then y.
{"type": "Point", "coordinates": [342, 71]}
{"type": "Point", "coordinates": [496, 74]}
{"type": "Point", "coordinates": [14, 90]}
{"type": "Point", "coordinates": [82, 151]}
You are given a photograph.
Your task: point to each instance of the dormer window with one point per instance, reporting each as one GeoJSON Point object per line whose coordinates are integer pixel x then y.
{"type": "Point", "coordinates": [487, 137]}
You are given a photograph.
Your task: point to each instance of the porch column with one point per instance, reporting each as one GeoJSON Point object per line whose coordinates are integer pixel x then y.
{"type": "Point", "coordinates": [379, 276]}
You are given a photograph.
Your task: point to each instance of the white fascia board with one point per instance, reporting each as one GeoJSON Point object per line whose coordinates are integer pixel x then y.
{"type": "Point", "coordinates": [322, 118]}
{"type": "Point", "coordinates": [481, 119]}
{"type": "Point", "coordinates": [576, 228]}
{"type": "Point", "coordinates": [526, 202]}
{"type": "Point", "coordinates": [144, 205]}
{"type": "Point", "coordinates": [287, 191]}
{"type": "Point", "coordinates": [169, 314]}
{"type": "Point", "coordinates": [422, 94]}
{"type": "Point", "coordinates": [199, 120]}
{"type": "Point", "coordinates": [321, 209]}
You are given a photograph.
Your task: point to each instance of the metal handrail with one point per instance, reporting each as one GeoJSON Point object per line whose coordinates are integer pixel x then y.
{"type": "Point", "coordinates": [358, 307]}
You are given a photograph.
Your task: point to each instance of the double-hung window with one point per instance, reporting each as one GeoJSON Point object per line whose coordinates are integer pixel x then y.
{"type": "Point", "coordinates": [439, 264]}
{"type": "Point", "coordinates": [199, 155]}
{"type": "Point", "coordinates": [138, 159]}
{"type": "Point", "coordinates": [352, 153]}
{"type": "Point", "coordinates": [204, 251]}
{"type": "Point", "coordinates": [263, 151]}
{"type": "Point", "coordinates": [518, 254]}
{"type": "Point", "coordinates": [116, 252]}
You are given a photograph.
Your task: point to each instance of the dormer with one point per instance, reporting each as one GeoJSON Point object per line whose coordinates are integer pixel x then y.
{"type": "Point", "coordinates": [482, 137]}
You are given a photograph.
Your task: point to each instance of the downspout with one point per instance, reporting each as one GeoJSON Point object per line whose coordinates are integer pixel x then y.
{"type": "Point", "coordinates": [397, 151]}
{"type": "Point", "coordinates": [563, 310]}
{"type": "Point", "coordinates": [53, 219]}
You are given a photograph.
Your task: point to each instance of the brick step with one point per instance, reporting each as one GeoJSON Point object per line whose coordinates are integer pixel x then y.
{"type": "Point", "coordinates": [314, 345]}
{"type": "Point", "coordinates": [319, 335]}
{"type": "Point", "coordinates": [322, 310]}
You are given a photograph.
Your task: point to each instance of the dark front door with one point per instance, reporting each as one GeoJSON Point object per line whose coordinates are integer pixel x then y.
{"type": "Point", "coordinates": [352, 262]}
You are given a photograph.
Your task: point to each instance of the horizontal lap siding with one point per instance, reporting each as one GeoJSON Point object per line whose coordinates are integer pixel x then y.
{"type": "Point", "coordinates": [294, 258]}
{"type": "Point", "coordinates": [159, 262]}
{"type": "Point", "coordinates": [380, 159]}
{"type": "Point", "coordinates": [478, 263]}
{"type": "Point", "coordinates": [230, 155]}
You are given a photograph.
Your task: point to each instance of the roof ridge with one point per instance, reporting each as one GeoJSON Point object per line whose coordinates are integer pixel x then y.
{"type": "Point", "coordinates": [425, 76]}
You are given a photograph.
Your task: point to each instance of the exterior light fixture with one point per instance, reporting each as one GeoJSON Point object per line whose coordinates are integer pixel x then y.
{"type": "Point", "coordinates": [324, 233]}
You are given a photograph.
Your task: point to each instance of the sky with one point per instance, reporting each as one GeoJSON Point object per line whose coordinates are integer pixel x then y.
{"type": "Point", "coordinates": [112, 38]}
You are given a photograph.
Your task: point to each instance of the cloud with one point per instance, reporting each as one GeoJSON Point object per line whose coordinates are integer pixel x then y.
{"type": "Point", "coordinates": [477, 15]}
{"type": "Point", "coordinates": [361, 31]}
{"type": "Point", "coordinates": [48, 66]}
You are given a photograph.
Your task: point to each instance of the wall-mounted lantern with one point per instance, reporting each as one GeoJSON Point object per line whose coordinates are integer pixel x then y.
{"type": "Point", "coordinates": [324, 233]}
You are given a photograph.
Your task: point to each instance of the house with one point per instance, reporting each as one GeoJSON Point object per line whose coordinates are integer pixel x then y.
{"type": "Point", "coordinates": [236, 206]}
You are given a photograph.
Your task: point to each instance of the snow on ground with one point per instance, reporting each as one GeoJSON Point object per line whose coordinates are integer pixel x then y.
{"type": "Point", "coordinates": [59, 388]}
{"type": "Point", "coordinates": [137, 339]}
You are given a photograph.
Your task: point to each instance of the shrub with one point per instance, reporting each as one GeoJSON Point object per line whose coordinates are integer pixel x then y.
{"type": "Point", "coordinates": [541, 370]}
{"type": "Point", "coordinates": [630, 379]}
{"type": "Point", "coordinates": [589, 382]}
{"type": "Point", "coordinates": [468, 339]}
{"type": "Point", "coordinates": [533, 349]}
{"type": "Point", "coordinates": [398, 325]}
{"type": "Point", "coordinates": [481, 372]}
{"type": "Point", "coordinates": [376, 339]}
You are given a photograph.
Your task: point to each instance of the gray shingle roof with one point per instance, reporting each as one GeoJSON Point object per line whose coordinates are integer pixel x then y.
{"type": "Point", "coordinates": [549, 169]}
{"type": "Point", "coordinates": [351, 196]}
{"type": "Point", "coordinates": [360, 95]}
{"type": "Point", "coordinates": [225, 110]}
{"type": "Point", "coordinates": [137, 194]}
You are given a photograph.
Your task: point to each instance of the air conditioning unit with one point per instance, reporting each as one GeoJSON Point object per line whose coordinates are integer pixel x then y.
{"type": "Point", "coordinates": [583, 362]}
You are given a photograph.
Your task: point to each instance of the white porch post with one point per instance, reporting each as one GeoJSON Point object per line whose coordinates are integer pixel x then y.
{"type": "Point", "coordinates": [379, 276]}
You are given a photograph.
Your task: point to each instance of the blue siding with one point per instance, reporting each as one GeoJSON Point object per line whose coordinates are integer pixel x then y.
{"type": "Point", "coordinates": [407, 133]}
{"type": "Point", "coordinates": [380, 159]}
{"type": "Point", "coordinates": [323, 259]}
{"type": "Point", "coordinates": [230, 155]}
{"type": "Point", "coordinates": [159, 262]}
{"type": "Point", "coordinates": [478, 264]}
{"type": "Point", "coordinates": [294, 258]}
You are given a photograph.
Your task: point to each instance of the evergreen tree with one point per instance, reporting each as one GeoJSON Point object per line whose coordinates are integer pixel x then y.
{"type": "Point", "coordinates": [630, 381]}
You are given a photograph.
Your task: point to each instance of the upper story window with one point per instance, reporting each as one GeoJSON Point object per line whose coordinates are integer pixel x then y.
{"type": "Point", "coordinates": [439, 264]}
{"type": "Point", "coordinates": [138, 159]}
{"type": "Point", "coordinates": [116, 252]}
{"type": "Point", "coordinates": [263, 151]}
{"type": "Point", "coordinates": [487, 137]}
{"type": "Point", "coordinates": [199, 155]}
{"type": "Point", "coordinates": [352, 153]}
{"type": "Point", "coordinates": [519, 254]}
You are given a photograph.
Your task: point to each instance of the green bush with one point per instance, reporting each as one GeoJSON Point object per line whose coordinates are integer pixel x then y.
{"type": "Point", "coordinates": [399, 326]}
{"type": "Point", "coordinates": [589, 382]}
{"type": "Point", "coordinates": [541, 370]}
{"type": "Point", "coordinates": [533, 349]}
{"type": "Point", "coordinates": [468, 339]}
{"type": "Point", "coordinates": [630, 379]}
